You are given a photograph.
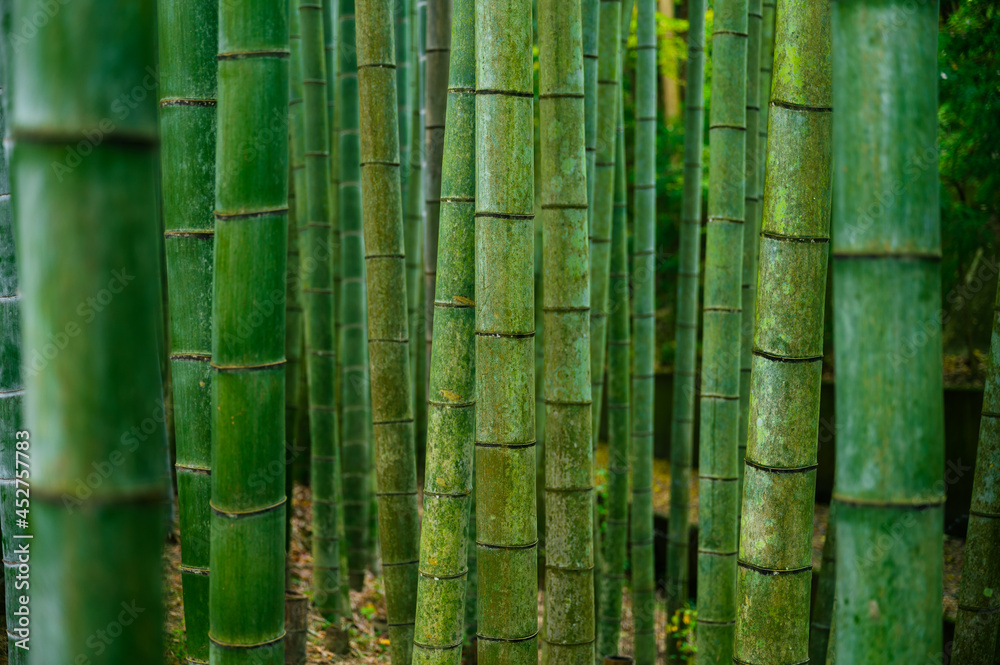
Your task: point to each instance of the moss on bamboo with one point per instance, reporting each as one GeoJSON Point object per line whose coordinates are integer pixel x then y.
{"type": "Point", "coordinates": [685, 363]}
{"type": "Point", "coordinates": [87, 230]}
{"type": "Point", "coordinates": [388, 341]}
{"type": "Point", "coordinates": [505, 422]}
{"type": "Point", "coordinates": [718, 467]}
{"type": "Point", "coordinates": [188, 42]}
{"type": "Point", "coordinates": [643, 331]}
{"type": "Point", "coordinates": [890, 431]}
{"type": "Point", "coordinates": [441, 590]}
{"type": "Point", "coordinates": [569, 493]}
{"type": "Point", "coordinates": [775, 567]}
{"type": "Point", "coordinates": [978, 619]}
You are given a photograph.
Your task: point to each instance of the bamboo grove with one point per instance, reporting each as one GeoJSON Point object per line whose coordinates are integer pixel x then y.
{"type": "Point", "coordinates": [415, 300]}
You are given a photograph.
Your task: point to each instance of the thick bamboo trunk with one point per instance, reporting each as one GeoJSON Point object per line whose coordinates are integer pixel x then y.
{"type": "Point", "coordinates": [718, 486]}
{"type": "Point", "coordinates": [569, 483]}
{"type": "Point", "coordinates": [615, 543]}
{"type": "Point", "coordinates": [356, 396]}
{"type": "Point", "coordinates": [751, 229]}
{"type": "Point", "coordinates": [887, 280]}
{"type": "Point", "coordinates": [388, 341]}
{"type": "Point", "coordinates": [248, 494]}
{"type": "Point", "coordinates": [978, 620]}
{"type": "Point", "coordinates": [441, 590]}
{"type": "Point", "coordinates": [822, 606]}
{"type": "Point", "coordinates": [775, 560]}
{"type": "Point", "coordinates": [89, 274]}
{"type": "Point", "coordinates": [643, 331]}
{"type": "Point", "coordinates": [318, 297]}
{"type": "Point", "coordinates": [685, 363]}
{"type": "Point", "coordinates": [188, 42]}
{"type": "Point", "coordinates": [505, 415]}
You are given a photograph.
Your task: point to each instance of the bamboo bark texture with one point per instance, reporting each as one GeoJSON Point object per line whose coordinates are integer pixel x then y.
{"type": "Point", "coordinates": [246, 597]}
{"type": "Point", "coordinates": [775, 560]}
{"type": "Point", "coordinates": [887, 284]}
{"type": "Point", "coordinates": [643, 331]}
{"type": "Point", "coordinates": [88, 256]}
{"type": "Point", "coordinates": [388, 335]}
{"type": "Point", "coordinates": [441, 586]}
{"type": "Point", "coordinates": [188, 43]}
{"type": "Point", "coordinates": [978, 619]}
{"type": "Point", "coordinates": [718, 484]}
{"type": "Point", "coordinates": [505, 385]}
{"type": "Point", "coordinates": [685, 363]}
{"type": "Point", "coordinates": [569, 485]}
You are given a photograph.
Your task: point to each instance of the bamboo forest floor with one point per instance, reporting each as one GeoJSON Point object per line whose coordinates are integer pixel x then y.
{"type": "Point", "coordinates": [369, 642]}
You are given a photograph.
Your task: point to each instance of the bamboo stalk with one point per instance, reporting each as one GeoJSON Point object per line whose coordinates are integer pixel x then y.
{"type": "Point", "coordinates": [977, 622]}
{"type": "Point", "coordinates": [768, 19]}
{"type": "Point", "coordinates": [388, 341]}
{"type": "Point", "coordinates": [88, 257]}
{"type": "Point", "coordinates": [415, 221]}
{"type": "Point", "coordinates": [643, 330]}
{"type": "Point", "coordinates": [751, 229]}
{"type": "Point", "coordinates": [718, 467]}
{"type": "Point", "coordinates": [505, 415]}
{"type": "Point", "coordinates": [405, 71]}
{"type": "Point", "coordinates": [775, 560]}
{"type": "Point", "coordinates": [188, 43]}
{"type": "Point", "coordinates": [11, 385]}
{"type": "Point", "coordinates": [247, 584]}
{"type": "Point", "coordinates": [353, 336]}
{"type": "Point", "coordinates": [569, 482]}
{"type": "Point", "coordinates": [441, 586]}
{"type": "Point", "coordinates": [822, 608]}
{"type": "Point", "coordinates": [887, 281]}
{"type": "Point", "coordinates": [685, 363]}
{"type": "Point", "coordinates": [619, 414]}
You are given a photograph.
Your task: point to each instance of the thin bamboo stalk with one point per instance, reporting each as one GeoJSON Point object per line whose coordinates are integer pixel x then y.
{"type": "Point", "coordinates": [88, 257]}
{"type": "Point", "coordinates": [768, 19]}
{"type": "Point", "coordinates": [619, 414]}
{"type": "Point", "coordinates": [775, 560]}
{"type": "Point", "coordinates": [188, 41]}
{"type": "Point", "coordinates": [720, 376]}
{"type": "Point", "coordinates": [416, 212]}
{"type": "Point", "coordinates": [822, 608]}
{"type": "Point", "coordinates": [887, 283]}
{"type": "Point", "coordinates": [246, 599]}
{"type": "Point", "coordinates": [356, 393]}
{"type": "Point", "coordinates": [505, 322]}
{"type": "Point", "coordinates": [569, 481]}
{"type": "Point", "coordinates": [751, 229]}
{"type": "Point", "coordinates": [388, 341]}
{"type": "Point", "coordinates": [643, 331]}
{"type": "Point", "coordinates": [685, 363]}
{"type": "Point", "coordinates": [441, 587]}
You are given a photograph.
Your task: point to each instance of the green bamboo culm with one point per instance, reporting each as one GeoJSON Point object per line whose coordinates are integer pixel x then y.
{"type": "Point", "coordinates": [505, 321]}
{"type": "Point", "coordinates": [767, 24]}
{"type": "Point", "coordinates": [685, 363]}
{"type": "Point", "coordinates": [438, 50]}
{"type": "Point", "coordinates": [822, 605]}
{"type": "Point", "coordinates": [775, 560]}
{"type": "Point", "coordinates": [885, 95]}
{"type": "Point", "coordinates": [356, 395]}
{"type": "Point", "coordinates": [388, 341]}
{"type": "Point", "coordinates": [188, 42]}
{"type": "Point", "coordinates": [751, 229]}
{"type": "Point", "coordinates": [441, 587]}
{"type": "Point", "coordinates": [88, 258]}
{"type": "Point", "coordinates": [718, 483]}
{"type": "Point", "coordinates": [978, 619]}
{"type": "Point", "coordinates": [404, 100]}
{"type": "Point", "coordinates": [643, 331]}
{"type": "Point", "coordinates": [11, 386]}
{"type": "Point", "coordinates": [615, 545]}
{"type": "Point", "coordinates": [569, 481]}
{"type": "Point", "coordinates": [246, 599]}
{"type": "Point", "coordinates": [608, 96]}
